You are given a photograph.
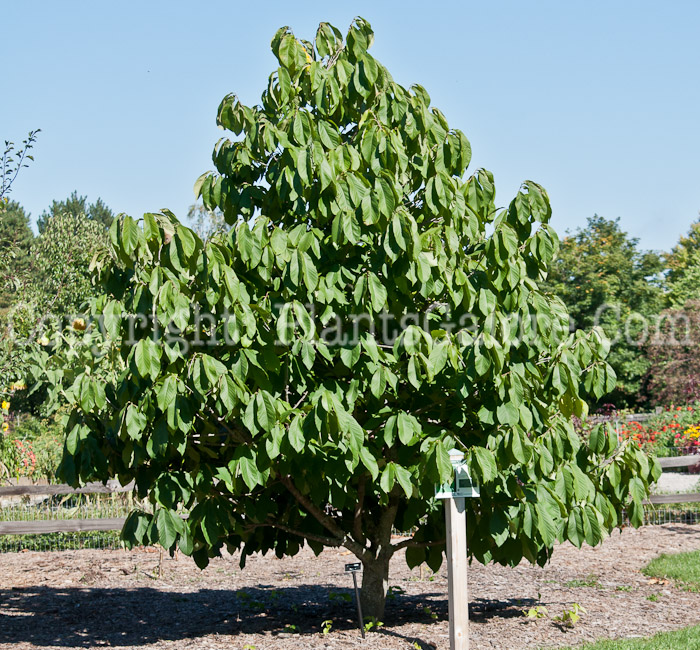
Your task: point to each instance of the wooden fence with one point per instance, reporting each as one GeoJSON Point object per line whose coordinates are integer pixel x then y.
{"type": "Point", "coordinates": [61, 525]}
{"type": "Point", "coordinates": [115, 523]}
{"type": "Point", "coordinates": [688, 497]}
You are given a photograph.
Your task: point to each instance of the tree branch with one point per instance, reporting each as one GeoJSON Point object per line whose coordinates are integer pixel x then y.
{"type": "Point", "coordinates": [327, 522]}
{"type": "Point", "coordinates": [301, 399]}
{"type": "Point", "coordinates": [386, 524]}
{"type": "Point", "coordinates": [410, 542]}
{"type": "Point", "coordinates": [357, 532]}
{"type": "Point", "coordinates": [326, 541]}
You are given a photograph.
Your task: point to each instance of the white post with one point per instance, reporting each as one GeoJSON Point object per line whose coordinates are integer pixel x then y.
{"type": "Point", "coordinates": [458, 599]}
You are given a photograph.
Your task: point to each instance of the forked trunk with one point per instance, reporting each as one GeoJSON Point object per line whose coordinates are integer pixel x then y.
{"type": "Point", "coordinates": [375, 582]}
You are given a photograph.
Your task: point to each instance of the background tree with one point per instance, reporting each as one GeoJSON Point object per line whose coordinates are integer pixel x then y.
{"type": "Point", "coordinates": [54, 291]}
{"type": "Point", "coordinates": [270, 432]}
{"type": "Point", "coordinates": [13, 160]}
{"type": "Point", "coordinates": [206, 222]}
{"type": "Point", "coordinates": [77, 205]}
{"type": "Point", "coordinates": [63, 253]}
{"type": "Point", "coordinates": [12, 252]}
{"type": "Point", "coordinates": [674, 371]}
{"type": "Point", "coordinates": [683, 279]}
{"type": "Point", "coordinates": [12, 244]}
{"type": "Point", "coordinates": [603, 278]}
{"type": "Point", "coordinates": [16, 239]}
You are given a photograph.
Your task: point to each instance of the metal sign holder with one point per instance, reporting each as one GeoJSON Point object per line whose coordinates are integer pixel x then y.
{"type": "Point", "coordinates": [354, 568]}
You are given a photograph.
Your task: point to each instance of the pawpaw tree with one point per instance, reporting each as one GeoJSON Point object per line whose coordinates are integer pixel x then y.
{"type": "Point", "coordinates": [302, 378]}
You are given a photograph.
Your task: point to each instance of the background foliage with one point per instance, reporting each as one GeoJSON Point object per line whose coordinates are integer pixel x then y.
{"type": "Point", "coordinates": [603, 278]}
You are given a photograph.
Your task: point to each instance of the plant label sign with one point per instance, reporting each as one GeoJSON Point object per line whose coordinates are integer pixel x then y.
{"type": "Point", "coordinates": [352, 568]}
{"type": "Point", "coordinates": [461, 485]}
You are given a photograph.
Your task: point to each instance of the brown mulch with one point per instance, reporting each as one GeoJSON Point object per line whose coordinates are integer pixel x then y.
{"type": "Point", "coordinates": [89, 599]}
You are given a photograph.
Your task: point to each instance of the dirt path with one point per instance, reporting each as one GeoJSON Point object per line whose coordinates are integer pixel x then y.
{"type": "Point", "coordinates": [89, 599]}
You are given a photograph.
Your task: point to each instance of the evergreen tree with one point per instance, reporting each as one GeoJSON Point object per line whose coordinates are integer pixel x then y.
{"type": "Point", "coordinates": [16, 239]}
{"type": "Point", "coordinates": [77, 205]}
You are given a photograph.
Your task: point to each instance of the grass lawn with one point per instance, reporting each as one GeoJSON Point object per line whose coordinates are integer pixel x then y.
{"type": "Point", "coordinates": [686, 639]}
{"type": "Point", "coordinates": [684, 568]}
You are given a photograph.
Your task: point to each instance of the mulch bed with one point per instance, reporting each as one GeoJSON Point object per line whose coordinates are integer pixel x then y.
{"type": "Point", "coordinates": [88, 599]}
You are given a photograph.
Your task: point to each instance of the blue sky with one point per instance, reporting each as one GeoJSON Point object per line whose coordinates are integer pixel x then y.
{"type": "Point", "coordinates": [597, 101]}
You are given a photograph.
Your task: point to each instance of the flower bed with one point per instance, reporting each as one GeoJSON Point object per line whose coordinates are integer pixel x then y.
{"type": "Point", "coordinates": [675, 431]}
{"type": "Point", "coordinates": [28, 447]}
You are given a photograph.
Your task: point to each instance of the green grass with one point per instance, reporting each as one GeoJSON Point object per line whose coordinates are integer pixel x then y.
{"type": "Point", "coordinates": [684, 568]}
{"type": "Point", "coordinates": [93, 539]}
{"type": "Point", "coordinates": [686, 639]}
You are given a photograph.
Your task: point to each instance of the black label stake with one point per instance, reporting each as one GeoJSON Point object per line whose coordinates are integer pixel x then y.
{"type": "Point", "coordinates": [354, 568]}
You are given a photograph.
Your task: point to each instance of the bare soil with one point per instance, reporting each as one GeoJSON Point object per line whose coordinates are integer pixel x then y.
{"type": "Point", "coordinates": [116, 599]}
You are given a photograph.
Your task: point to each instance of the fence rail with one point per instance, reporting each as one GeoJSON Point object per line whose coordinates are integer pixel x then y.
{"type": "Point", "coordinates": [679, 461]}
{"type": "Point", "coordinates": [111, 487]}
{"type": "Point", "coordinates": [60, 526]}
{"type": "Point", "coordinates": [40, 527]}
{"type": "Point", "coordinates": [687, 497]}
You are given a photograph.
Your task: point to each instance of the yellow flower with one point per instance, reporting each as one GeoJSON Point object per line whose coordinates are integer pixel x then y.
{"type": "Point", "coordinates": [5, 405]}
{"type": "Point", "coordinates": [692, 432]}
{"type": "Point", "coordinates": [5, 426]}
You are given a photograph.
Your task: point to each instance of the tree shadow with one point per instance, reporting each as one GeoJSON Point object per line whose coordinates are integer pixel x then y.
{"type": "Point", "coordinates": [94, 616]}
{"type": "Point", "coordinates": [483, 609]}
{"type": "Point", "coordinates": [682, 529]}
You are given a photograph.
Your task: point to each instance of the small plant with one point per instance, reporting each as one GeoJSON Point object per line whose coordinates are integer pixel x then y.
{"type": "Point", "coordinates": [589, 581]}
{"type": "Point", "coordinates": [392, 592]}
{"type": "Point", "coordinates": [334, 596]}
{"type": "Point", "coordinates": [624, 588]}
{"type": "Point", "coordinates": [569, 617]}
{"type": "Point", "coordinates": [539, 611]}
{"type": "Point", "coordinates": [654, 598]}
{"type": "Point", "coordinates": [430, 612]}
{"type": "Point", "coordinates": [249, 646]}
{"type": "Point", "coordinates": [290, 629]}
{"type": "Point", "coordinates": [326, 626]}
{"type": "Point", "coordinates": [371, 623]}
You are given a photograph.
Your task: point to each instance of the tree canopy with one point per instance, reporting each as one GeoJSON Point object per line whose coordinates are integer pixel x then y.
{"type": "Point", "coordinates": [674, 372]}
{"type": "Point", "coordinates": [683, 278]}
{"type": "Point", "coordinates": [16, 238]}
{"type": "Point", "coordinates": [64, 252]}
{"type": "Point", "coordinates": [603, 278]}
{"type": "Point", "coordinates": [76, 206]}
{"type": "Point", "coordinates": [302, 378]}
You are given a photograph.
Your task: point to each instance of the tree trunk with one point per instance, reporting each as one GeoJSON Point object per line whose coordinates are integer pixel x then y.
{"type": "Point", "coordinates": [375, 581]}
